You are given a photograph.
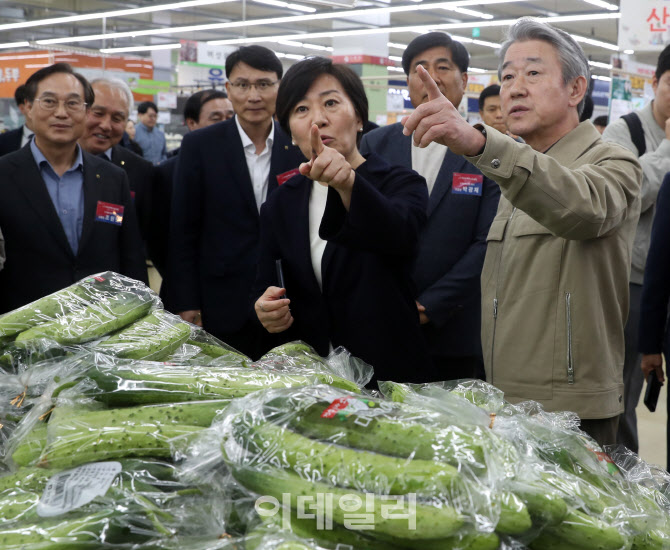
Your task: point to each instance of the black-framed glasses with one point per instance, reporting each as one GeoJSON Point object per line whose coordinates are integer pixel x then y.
{"type": "Point", "coordinates": [263, 86]}
{"type": "Point", "coordinates": [72, 105]}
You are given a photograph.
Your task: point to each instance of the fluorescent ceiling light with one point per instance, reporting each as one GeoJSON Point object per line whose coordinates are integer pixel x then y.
{"type": "Point", "coordinates": [290, 55]}
{"type": "Point", "coordinates": [14, 45]}
{"type": "Point", "coordinates": [593, 42]}
{"type": "Point", "coordinates": [600, 65]}
{"type": "Point", "coordinates": [395, 58]}
{"type": "Point", "coordinates": [305, 45]}
{"type": "Point", "coordinates": [109, 14]}
{"type": "Point", "coordinates": [477, 70]}
{"type": "Point", "coordinates": [142, 48]}
{"type": "Point", "coordinates": [288, 5]}
{"type": "Point", "coordinates": [629, 52]}
{"type": "Point", "coordinates": [598, 77]}
{"type": "Point", "coordinates": [395, 69]}
{"type": "Point", "coordinates": [473, 13]}
{"type": "Point", "coordinates": [396, 45]}
{"type": "Point", "coordinates": [583, 17]}
{"type": "Point", "coordinates": [280, 20]}
{"type": "Point", "coordinates": [602, 4]}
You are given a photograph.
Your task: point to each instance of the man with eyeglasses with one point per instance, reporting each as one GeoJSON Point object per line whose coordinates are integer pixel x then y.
{"type": "Point", "coordinates": [150, 138]}
{"type": "Point", "coordinates": [65, 214]}
{"type": "Point", "coordinates": [223, 176]}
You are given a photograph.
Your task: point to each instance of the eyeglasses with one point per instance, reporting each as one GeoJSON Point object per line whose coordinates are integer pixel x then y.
{"type": "Point", "coordinates": [71, 105]}
{"type": "Point", "coordinates": [244, 87]}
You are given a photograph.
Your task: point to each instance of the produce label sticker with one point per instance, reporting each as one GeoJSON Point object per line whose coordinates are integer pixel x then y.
{"type": "Point", "coordinates": [467, 184]}
{"type": "Point", "coordinates": [109, 213]}
{"type": "Point", "coordinates": [70, 489]}
{"type": "Point", "coordinates": [343, 407]}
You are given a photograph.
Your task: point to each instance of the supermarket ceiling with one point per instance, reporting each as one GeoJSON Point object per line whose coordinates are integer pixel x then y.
{"type": "Point", "coordinates": [300, 27]}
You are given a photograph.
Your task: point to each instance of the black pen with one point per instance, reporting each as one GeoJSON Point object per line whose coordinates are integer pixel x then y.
{"type": "Point", "coordinates": [280, 276]}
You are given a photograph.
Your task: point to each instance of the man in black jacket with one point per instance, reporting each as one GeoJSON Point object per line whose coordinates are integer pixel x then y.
{"type": "Point", "coordinates": [64, 213]}
{"type": "Point", "coordinates": [105, 124]}
{"type": "Point", "coordinates": [224, 173]}
{"type": "Point", "coordinates": [13, 140]}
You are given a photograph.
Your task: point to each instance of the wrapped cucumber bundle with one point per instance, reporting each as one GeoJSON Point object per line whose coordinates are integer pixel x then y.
{"type": "Point", "coordinates": [101, 505]}
{"type": "Point", "coordinates": [88, 309]}
{"type": "Point", "coordinates": [123, 382]}
{"type": "Point", "coordinates": [368, 455]}
{"type": "Point", "coordinates": [202, 349]}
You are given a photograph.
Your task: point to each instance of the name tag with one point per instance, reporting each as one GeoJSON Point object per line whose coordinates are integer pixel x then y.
{"type": "Point", "coordinates": [467, 184]}
{"type": "Point", "coordinates": [109, 213]}
{"type": "Point", "coordinates": [283, 178]}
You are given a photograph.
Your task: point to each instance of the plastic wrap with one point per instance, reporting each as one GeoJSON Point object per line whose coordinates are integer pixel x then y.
{"type": "Point", "coordinates": [86, 311]}
{"type": "Point", "coordinates": [297, 355]}
{"type": "Point", "coordinates": [123, 382]}
{"type": "Point", "coordinates": [398, 473]}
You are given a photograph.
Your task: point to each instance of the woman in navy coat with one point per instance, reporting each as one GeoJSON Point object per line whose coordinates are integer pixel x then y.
{"type": "Point", "coordinates": [346, 229]}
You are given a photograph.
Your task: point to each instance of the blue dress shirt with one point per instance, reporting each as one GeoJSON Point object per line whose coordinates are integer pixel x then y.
{"type": "Point", "coordinates": [152, 143]}
{"type": "Point", "coordinates": [66, 192]}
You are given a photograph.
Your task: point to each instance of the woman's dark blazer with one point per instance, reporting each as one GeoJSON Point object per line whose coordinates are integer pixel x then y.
{"type": "Point", "coordinates": [368, 301]}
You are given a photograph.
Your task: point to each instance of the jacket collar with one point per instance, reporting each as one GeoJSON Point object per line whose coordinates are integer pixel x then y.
{"type": "Point", "coordinates": [575, 143]}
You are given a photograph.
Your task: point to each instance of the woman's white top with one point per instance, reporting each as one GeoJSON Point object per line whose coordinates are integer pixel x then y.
{"type": "Point", "coordinates": [317, 207]}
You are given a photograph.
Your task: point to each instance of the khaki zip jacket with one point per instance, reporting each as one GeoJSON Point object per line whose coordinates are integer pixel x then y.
{"type": "Point", "coordinates": [555, 277]}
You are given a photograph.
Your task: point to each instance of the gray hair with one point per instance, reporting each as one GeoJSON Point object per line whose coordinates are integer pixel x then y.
{"type": "Point", "coordinates": [571, 55]}
{"type": "Point", "coordinates": [119, 85]}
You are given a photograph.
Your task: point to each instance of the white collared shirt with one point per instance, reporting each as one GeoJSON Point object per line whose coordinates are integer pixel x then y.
{"type": "Point", "coordinates": [317, 206]}
{"type": "Point", "coordinates": [27, 134]}
{"type": "Point", "coordinates": [427, 161]}
{"type": "Point", "coordinates": [258, 165]}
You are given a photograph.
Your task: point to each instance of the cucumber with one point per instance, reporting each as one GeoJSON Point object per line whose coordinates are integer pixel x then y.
{"type": "Point", "coordinates": [653, 540]}
{"type": "Point", "coordinates": [432, 522]}
{"type": "Point", "coordinates": [212, 347]}
{"type": "Point", "coordinates": [546, 507]}
{"type": "Point", "coordinates": [113, 443]}
{"type": "Point", "coordinates": [91, 322]}
{"type": "Point", "coordinates": [16, 505]}
{"type": "Point", "coordinates": [346, 467]}
{"type": "Point", "coordinates": [514, 517]}
{"type": "Point", "coordinates": [396, 432]}
{"type": "Point", "coordinates": [131, 384]}
{"type": "Point", "coordinates": [154, 337]}
{"type": "Point", "coordinates": [581, 531]}
{"type": "Point", "coordinates": [29, 450]}
{"type": "Point", "coordinates": [43, 310]}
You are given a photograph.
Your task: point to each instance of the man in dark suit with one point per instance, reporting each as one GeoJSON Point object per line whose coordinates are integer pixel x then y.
{"type": "Point", "coordinates": [105, 124]}
{"type": "Point", "coordinates": [13, 140]}
{"type": "Point", "coordinates": [201, 109]}
{"type": "Point", "coordinates": [461, 207]}
{"type": "Point", "coordinates": [224, 173]}
{"type": "Point", "coordinates": [64, 213]}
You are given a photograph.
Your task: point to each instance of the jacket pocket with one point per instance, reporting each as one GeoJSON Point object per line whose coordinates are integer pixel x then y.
{"type": "Point", "coordinates": [569, 344]}
{"type": "Point", "coordinates": [525, 225]}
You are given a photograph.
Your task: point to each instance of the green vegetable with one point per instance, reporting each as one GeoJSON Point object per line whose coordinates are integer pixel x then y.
{"type": "Point", "coordinates": [514, 517]}
{"type": "Point", "coordinates": [346, 467]}
{"type": "Point", "coordinates": [544, 505]}
{"type": "Point", "coordinates": [390, 429]}
{"type": "Point", "coordinates": [153, 337]}
{"type": "Point", "coordinates": [579, 531]}
{"type": "Point", "coordinates": [30, 448]}
{"type": "Point", "coordinates": [437, 521]}
{"type": "Point", "coordinates": [92, 322]}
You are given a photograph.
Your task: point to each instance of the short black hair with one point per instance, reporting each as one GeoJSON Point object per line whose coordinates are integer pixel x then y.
{"type": "Point", "coordinates": [300, 77]}
{"type": "Point", "coordinates": [588, 108]}
{"type": "Point", "coordinates": [490, 91]}
{"type": "Point", "coordinates": [436, 39]}
{"type": "Point", "coordinates": [21, 94]}
{"type": "Point", "coordinates": [602, 120]}
{"type": "Point", "coordinates": [258, 57]}
{"type": "Point", "coordinates": [193, 105]}
{"type": "Point", "coordinates": [145, 106]}
{"type": "Point", "coordinates": [663, 63]}
{"type": "Point", "coordinates": [34, 80]}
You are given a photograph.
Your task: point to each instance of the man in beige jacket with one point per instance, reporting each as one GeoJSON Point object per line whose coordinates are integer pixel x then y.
{"type": "Point", "coordinates": [555, 277]}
